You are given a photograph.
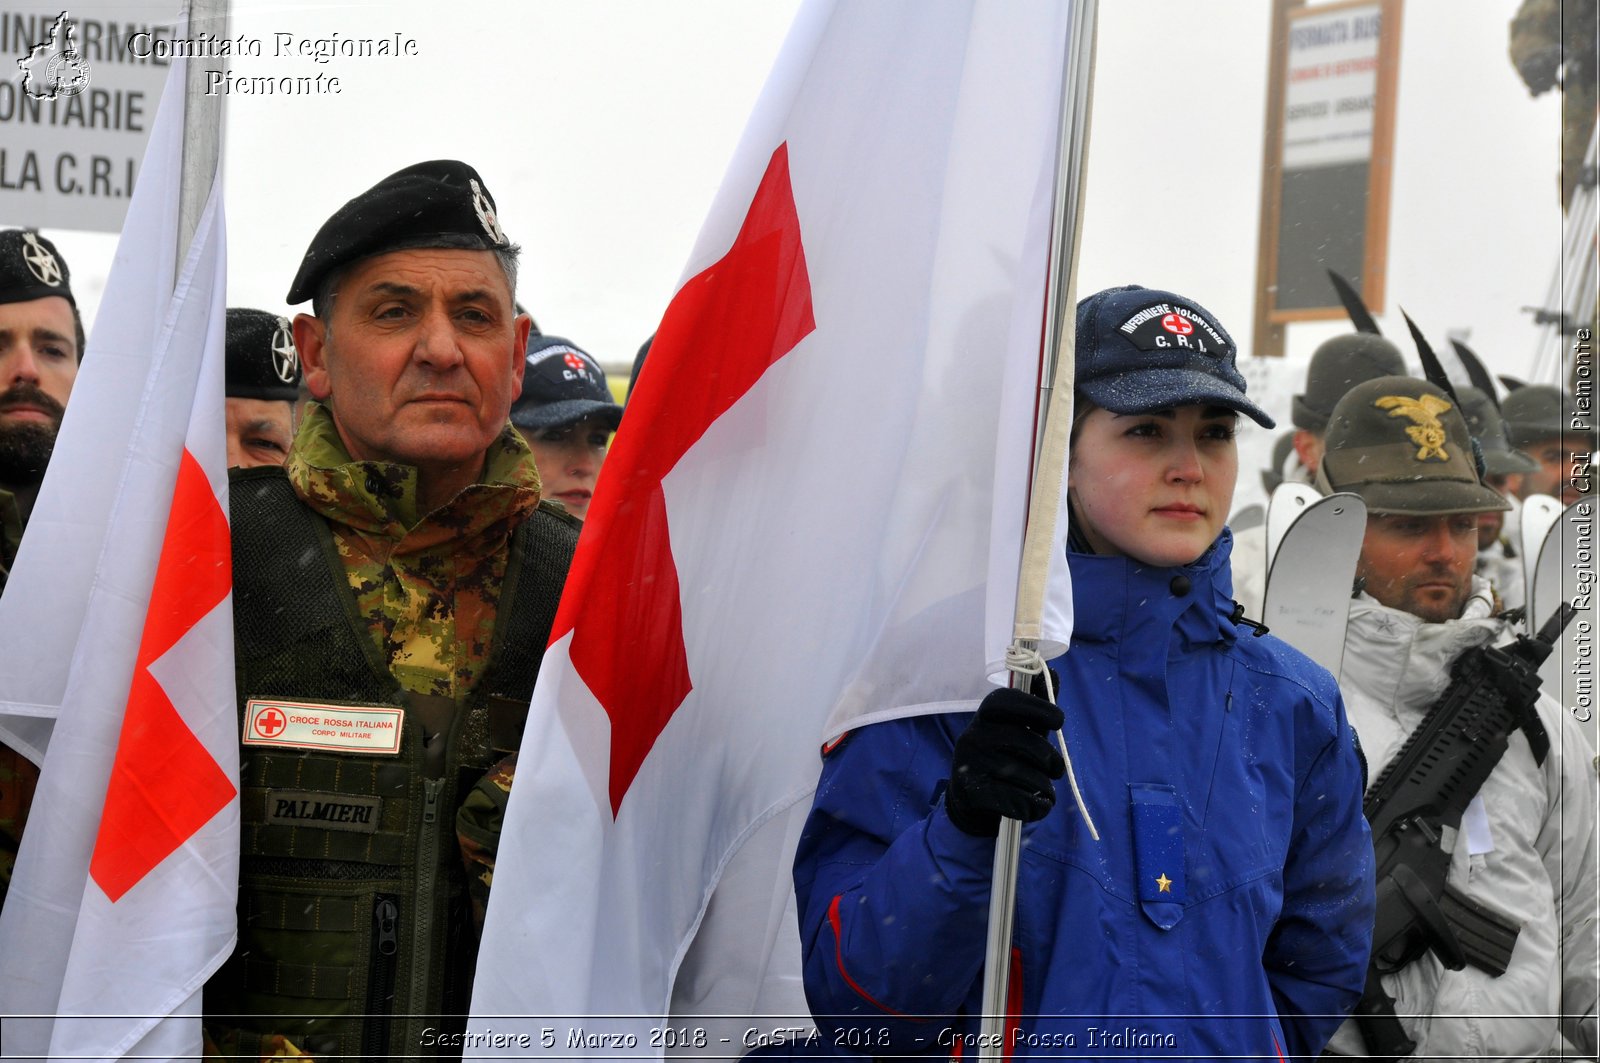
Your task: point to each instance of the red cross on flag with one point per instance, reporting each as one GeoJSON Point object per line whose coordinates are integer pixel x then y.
{"type": "Point", "coordinates": [118, 670]}
{"type": "Point", "coordinates": [811, 517]}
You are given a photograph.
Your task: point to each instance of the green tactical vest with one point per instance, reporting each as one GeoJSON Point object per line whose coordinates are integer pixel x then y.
{"type": "Point", "coordinates": [355, 930]}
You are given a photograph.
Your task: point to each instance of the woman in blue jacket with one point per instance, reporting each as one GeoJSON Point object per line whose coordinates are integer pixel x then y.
{"type": "Point", "coordinates": [1226, 909]}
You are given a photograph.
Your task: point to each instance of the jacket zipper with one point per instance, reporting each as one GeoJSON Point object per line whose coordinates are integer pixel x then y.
{"type": "Point", "coordinates": [422, 921]}
{"type": "Point", "coordinates": [380, 978]}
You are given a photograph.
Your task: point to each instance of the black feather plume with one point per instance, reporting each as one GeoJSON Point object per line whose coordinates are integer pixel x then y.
{"type": "Point", "coordinates": [1360, 317]}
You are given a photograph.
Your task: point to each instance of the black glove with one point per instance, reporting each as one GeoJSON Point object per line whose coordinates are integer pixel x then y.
{"type": "Point", "coordinates": [1004, 764]}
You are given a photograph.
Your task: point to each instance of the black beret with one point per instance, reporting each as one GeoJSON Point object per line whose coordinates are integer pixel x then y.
{"type": "Point", "coordinates": [442, 203]}
{"type": "Point", "coordinates": [262, 361]}
{"type": "Point", "coordinates": [31, 268]}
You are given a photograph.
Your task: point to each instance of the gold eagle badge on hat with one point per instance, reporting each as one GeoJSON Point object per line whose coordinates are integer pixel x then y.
{"type": "Point", "coordinates": [1427, 433]}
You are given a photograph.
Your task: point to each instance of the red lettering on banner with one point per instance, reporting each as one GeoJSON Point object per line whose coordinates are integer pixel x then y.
{"type": "Point", "coordinates": [719, 335]}
{"type": "Point", "coordinates": [165, 785]}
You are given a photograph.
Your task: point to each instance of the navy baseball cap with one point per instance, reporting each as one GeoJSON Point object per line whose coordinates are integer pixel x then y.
{"type": "Point", "coordinates": [1141, 349]}
{"type": "Point", "coordinates": [561, 385]}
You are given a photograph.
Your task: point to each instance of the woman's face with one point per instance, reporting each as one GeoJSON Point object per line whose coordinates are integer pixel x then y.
{"type": "Point", "coordinates": [1156, 486]}
{"type": "Point", "coordinates": [569, 457]}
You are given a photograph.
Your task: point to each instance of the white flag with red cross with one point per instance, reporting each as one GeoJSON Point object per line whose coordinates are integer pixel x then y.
{"type": "Point", "coordinates": [811, 519]}
{"type": "Point", "coordinates": [118, 665]}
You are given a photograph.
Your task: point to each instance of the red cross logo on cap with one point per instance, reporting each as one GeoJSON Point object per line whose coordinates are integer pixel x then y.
{"type": "Point", "coordinates": [1175, 323]}
{"type": "Point", "coordinates": [574, 361]}
{"type": "Point", "coordinates": [269, 722]}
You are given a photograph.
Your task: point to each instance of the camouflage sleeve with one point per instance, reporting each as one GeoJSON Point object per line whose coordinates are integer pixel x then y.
{"type": "Point", "coordinates": [478, 825]}
{"type": "Point", "coordinates": [1536, 43]}
{"type": "Point", "coordinates": [18, 779]}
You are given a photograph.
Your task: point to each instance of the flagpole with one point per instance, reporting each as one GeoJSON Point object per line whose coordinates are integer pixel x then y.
{"type": "Point", "coordinates": [202, 123]}
{"type": "Point", "coordinates": [1051, 429]}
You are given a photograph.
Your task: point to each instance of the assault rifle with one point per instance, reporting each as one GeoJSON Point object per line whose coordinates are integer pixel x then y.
{"type": "Point", "coordinates": [1419, 797]}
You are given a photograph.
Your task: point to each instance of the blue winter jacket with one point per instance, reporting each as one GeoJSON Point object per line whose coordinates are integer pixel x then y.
{"type": "Point", "coordinates": [1226, 910]}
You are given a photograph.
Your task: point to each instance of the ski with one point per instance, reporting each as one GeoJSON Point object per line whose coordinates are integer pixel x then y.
{"type": "Point", "coordinates": [1310, 578]}
{"type": "Point", "coordinates": [1538, 516]}
{"type": "Point", "coordinates": [1564, 572]}
{"type": "Point", "coordinates": [1288, 502]}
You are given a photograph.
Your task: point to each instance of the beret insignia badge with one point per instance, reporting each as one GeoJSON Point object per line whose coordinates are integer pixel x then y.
{"type": "Point", "coordinates": [41, 263]}
{"type": "Point", "coordinates": [491, 224]}
{"type": "Point", "coordinates": [285, 358]}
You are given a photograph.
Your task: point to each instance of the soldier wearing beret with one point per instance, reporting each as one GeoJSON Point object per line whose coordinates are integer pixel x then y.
{"type": "Point", "coordinates": [41, 343]}
{"type": "Point", "coordinates": [262, 383]}
{"type": "Point", "coordinates": [394, 586]}
{"type": "Point", "coordinates": [1525, 846]}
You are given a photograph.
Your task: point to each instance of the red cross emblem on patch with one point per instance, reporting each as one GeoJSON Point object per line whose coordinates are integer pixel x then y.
{"type": "Point", "coordinates": [269, 722]}
{"type": "Point", "coordinates": [574, 362]}
{"type": "Point", "coordinates": [1175, 323]}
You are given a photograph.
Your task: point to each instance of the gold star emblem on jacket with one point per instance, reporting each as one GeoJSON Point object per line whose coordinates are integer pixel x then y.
{"type": "Point", "coordinates": [1426, 431]}
{"type": "Point", "coordinates": [1163, 883]}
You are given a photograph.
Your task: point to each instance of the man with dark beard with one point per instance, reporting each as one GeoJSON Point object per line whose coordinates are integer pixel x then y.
{"type": "Point", "coordinates": [41, 340]}
{"type": "Point", "coordinates": [1521, 843]}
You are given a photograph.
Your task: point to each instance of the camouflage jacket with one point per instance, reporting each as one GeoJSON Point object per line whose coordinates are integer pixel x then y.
{"type": "Point", "coordinates": [479, 822]}
{"type": "Point", "coordinates": [427, 584]}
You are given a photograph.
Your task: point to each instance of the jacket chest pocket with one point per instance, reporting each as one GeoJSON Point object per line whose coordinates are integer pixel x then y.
{"type": "Point", "coordinates": [1156, 811]}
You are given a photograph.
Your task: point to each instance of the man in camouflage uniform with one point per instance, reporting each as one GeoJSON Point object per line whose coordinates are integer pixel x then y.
{"type": "Point", "coordinates": [41, 343]}
{"type": "Point", "coordinates": [394, 586]}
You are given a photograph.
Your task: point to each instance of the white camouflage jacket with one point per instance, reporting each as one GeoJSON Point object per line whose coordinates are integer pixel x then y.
{"type": "Point", "coordinates": [1526, 849]}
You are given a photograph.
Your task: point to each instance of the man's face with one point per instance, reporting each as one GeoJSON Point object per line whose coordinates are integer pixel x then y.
{"type": "Point", "coordinates": [38, 364]}
{"type": "Point", "coordinates": [420, 358]}
{"type": "Point", "coordinates": [1420, 565]}
{"type": "Point", "coordinates": [1309, 447]}
{"type": "Point", "coordinates": [259, 432]}
{"type": "Point", "coordinates": [1559, 465]}
{"type": "Point", "coordinates": [1490, 524]}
